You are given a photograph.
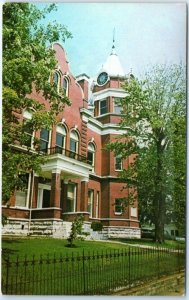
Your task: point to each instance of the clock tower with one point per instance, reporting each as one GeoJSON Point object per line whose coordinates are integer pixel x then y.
{"type": "Point", "coordinates": [107, 89]}
{"type": "Point", "coordinates": [106, 94]}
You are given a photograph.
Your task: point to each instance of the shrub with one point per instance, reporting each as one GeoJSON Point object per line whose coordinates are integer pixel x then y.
{"type": "Point", "coordinates": [76, 230]}
{"type": "Point", "coordinates": [96, 226]}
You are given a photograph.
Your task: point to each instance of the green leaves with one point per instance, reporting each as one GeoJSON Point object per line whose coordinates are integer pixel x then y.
{"type": "Point", "coordinates": [27, 65]}
{"type": "Point", "coordinates": [154, 117]}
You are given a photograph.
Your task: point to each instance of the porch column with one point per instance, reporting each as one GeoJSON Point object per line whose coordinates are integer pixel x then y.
{"type": "Point", "coordinates": [84, 195]}
{"type": "Point", "coordinates": [35, 191]}
{"type": "Point", "coordinates": [64, 196]}
{"type": "Point", "coordinates": [55, 188]}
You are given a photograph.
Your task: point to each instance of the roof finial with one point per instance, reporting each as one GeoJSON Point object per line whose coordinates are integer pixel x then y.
{"type": "Point", "coordinates": [113, 46]}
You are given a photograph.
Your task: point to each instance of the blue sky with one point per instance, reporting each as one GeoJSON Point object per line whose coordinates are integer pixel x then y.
{"type": "Point", "coordinates": [145, 34]}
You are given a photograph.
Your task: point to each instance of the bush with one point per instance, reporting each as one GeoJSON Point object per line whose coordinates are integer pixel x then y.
{"type": "Point", "coordinates": [96, 226]}
{"type": "Point", "coordinates": [76, 230]}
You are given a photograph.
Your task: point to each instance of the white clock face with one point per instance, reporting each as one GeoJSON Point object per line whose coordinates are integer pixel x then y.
{"type": "Point", "coordinates": [102, 78]}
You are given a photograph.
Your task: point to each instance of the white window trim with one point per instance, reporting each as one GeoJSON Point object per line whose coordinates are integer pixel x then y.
{"type": "Point", "coordinates": [99, 108]}
{"type": "Point", "coordinates": [75, 197]}
{"type": "Point", "coordinates": [67, 79]}
{"type": "Point", "coordinates": [91, 201]}
{"type": "Point", "coordinates": [93, 151]}
{"type": "Point", "coordinates": [114, 105]}
{"type": "Point", "coordinates": [62, 130]}
{"type": "Point", "coordinates": [97, 204]}
{"type": "Point", "coordinates": [28, 116]}
{"type": "Point", "coordinates": [59, 80]}
{"type": "Point", "coordinates": [118, 170]}
{"type": "Point", "coordinates": [41, 188]}
{"type": "Point", "coordinates": [76, 140]}
{"type": "Point", "coordinates": [117, 213]}
{"type": "Point", "coordinates": [27, 195]}
{"type": "Point", "coordinates": [49, 142]}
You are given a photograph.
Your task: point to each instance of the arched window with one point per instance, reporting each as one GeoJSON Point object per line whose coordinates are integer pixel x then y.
{"type": "Point", "coordinates": [60, 139]}
{"type": "Point", "coordinates": [91, 154]}
{"type": "Point", "coordinates": [27, 129]}
{"type": "Point", "coordinates": [56, 79]}
{"type": "Point", "coordinates": [65, 85]}
{"type": "Point", "coordinates": [74, 143]}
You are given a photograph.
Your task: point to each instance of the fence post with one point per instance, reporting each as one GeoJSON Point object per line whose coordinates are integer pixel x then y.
{"type": "Point", "coordinates": [178, 251]}
{"type": "Point", "coordinates": [158, 249]}
{"type": "Point", "coordinates": [84, 288]}
{"type": "Point", "coordinates": [129, 268]}
{"type": "Point", "coordinates": [7, 274]}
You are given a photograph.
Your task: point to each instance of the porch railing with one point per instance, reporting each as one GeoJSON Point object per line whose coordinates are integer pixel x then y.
{"type": "Point", "coordinates": [67, 153]}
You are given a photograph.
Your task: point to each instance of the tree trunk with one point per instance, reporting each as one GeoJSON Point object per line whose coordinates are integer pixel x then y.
{"type": "Point", "coordinates": [159, 197]}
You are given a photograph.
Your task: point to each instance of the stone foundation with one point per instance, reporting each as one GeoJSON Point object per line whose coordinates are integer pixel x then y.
{"type": "Point", "coordinates": [61, 229]}
{"type": "Point", "coordinates": [123, 232]}
{"type": "Point", "coordinates": [16, 227]}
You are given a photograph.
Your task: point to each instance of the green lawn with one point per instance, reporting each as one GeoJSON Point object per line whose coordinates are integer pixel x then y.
{"type": "Point", "coordinates": [42, 246]}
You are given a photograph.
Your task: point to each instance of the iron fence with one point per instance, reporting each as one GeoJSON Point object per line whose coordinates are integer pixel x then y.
{"type": "Point", "coordinates": [92, 273]}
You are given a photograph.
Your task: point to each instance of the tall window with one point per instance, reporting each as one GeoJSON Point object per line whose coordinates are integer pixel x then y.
{"type": "Point", "coordinates": [103, 107]}
{"type": "Point", "coordinates": [56, 79]}
{"type": "Point", "coordinates": [71, 198]}
{"type": "Point", "coordinates": [28, 131]}
{"type": "Point", "coordinates": [118, 206]}
{"type": "Point", "coordinates": [118, 163]}
{"type": "Point", "coordinates": [90, 202]}
{"type": "Point", "coordinates": [44, 195]}
{"type": "Point", "coordinates": [44, 139]}
{"type": "Point", "coordinates": [60, 139]}
{"type": "Point", "coordinates": [97, 204]}
{"type": "Point", "coordinates": [91, 154]}
{"type": "Point", "coordinates": [74, 143]}
{"type": "Point", "coordinates": [65, 85]}
{"type": "Point", "coordinates": [117, 106]}
{"type": "Point", "coordinates": [22, 195]}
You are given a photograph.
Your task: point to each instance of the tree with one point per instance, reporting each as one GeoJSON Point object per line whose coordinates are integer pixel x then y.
{"type": "Point", "coordinates": [153, 115]}
{"type": "Point", "coordinates": [76, 229]}
{"type": "Point", "coordinates": [28, 64]}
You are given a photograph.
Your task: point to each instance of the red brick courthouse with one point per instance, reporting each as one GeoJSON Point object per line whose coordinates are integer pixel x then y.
{"type": "Point", "coordinates": [80, 176]}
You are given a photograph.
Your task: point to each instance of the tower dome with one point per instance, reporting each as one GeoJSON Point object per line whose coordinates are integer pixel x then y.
{"type": "Point", "coordinates": [112, 65]}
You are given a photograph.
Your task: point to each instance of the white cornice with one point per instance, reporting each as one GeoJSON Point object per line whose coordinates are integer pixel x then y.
{"type": "Point", "coordinates": [69, 166]}
{"type": "Point", "coordinates": [99, 128]}
{"type": "Point", "coordinates": [110, 92]}
{"type": "Point", "coordinates": [109, 130]}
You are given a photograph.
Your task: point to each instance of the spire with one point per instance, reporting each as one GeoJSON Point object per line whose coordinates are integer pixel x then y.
{"type": "Point", "coordinates": [113, 44]}
{"type": "Point", "coordinates": [112, 65]}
